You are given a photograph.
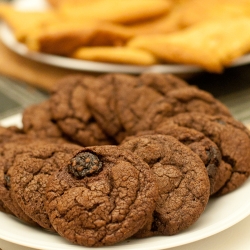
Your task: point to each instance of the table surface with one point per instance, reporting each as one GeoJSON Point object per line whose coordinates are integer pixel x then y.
{"type": "Point", "coordinates": [232, 88]}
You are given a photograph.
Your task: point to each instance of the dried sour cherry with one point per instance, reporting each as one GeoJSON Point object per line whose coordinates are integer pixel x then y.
{"type": "Point", "coordinates": [83, 164]}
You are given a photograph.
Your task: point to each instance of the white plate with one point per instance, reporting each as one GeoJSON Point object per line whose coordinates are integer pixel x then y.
{"type": "Point", "coordinates": [220, 214]}
{"type": "Point", "coordinates": [9, 40]}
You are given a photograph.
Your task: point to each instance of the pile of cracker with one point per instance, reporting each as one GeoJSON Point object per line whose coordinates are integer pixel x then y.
{"type": "Point", "coordinates": [208, 34]}
{"type": "Point", "coordinates": [115, 156]}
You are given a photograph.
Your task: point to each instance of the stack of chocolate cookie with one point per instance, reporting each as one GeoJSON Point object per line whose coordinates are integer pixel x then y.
{"type": "Point", "coordinates": [116, 156]}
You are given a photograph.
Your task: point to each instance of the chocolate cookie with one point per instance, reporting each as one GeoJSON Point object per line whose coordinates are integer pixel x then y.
{"type": "Point", "coordinates": [101, 100]}
{"type": "Point", "coordinates": [193, 99]}
{"type": "Point", "coordinates": [9, 151]}
{"type": "Point", "coordinates": [104, 96]}
{"type": "Point", "coordinates": [162, 83]}
{"type": "Point", "coordinates": [29, 174]}
{"type": "Point", "coordinates": [72, 115]}
{"type": "Point", "coordinates": [103, 196]}
{"type": "Point", "coordinates": [8, 134]}
{"type": "Point", "coordinates": [3, 208]}
{"type": "Point", "coordinates": [233, 140]}
{"type": "Point", "coordinates": [200, 144]}
{"type": "Point", "coordinates": [182, 180]}
{"type": "Point", "coordinates": [141, 107]}
{"type": "Point", "coordinates": [37, 121]}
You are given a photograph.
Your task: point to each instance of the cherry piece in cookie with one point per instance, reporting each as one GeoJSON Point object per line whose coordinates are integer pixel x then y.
{"type": "Point", "coordinates": [83, 164]}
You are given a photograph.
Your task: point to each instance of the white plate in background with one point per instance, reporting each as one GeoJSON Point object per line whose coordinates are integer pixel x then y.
{"type": "Point", "coordinates": [9, 40]}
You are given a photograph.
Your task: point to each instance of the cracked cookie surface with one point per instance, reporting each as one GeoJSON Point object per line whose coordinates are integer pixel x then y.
{"type": "Point", "coordinates": [105, 206]}
{"type": "Point", "coordinates": [27, 175]}
{"type": "Point", "coordinates": [200, 144]}
{"type": "Point", "coordinates": [37, 121]}
{"type": "Point", "coordinates": [9, 151]}
{"type": "Point", "coordinates": [108, 90]}
{"type": "Point", "coordinates": [71, 113]}
{"type": "Point", "coordinates": [233, 140]}
{"type": "Point", "coordinates": [101, 99]}
{"type": "Point", "coordinates": [143, 106]}
{"type": "Point", "coordinates": [10, 137]}
{"type": "Point", "coordinates": [182, 181]}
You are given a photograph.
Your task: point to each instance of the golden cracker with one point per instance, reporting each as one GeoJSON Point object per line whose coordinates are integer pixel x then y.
{"type": "Point", "coordinates": [211, 45]}
{"type": "Point", "coordinates": [63, 39]}
{"type": "Point", "coordinates": [116, 11]}
{"type": "Point", "coordinates": [121, 55]}
{"type": "Point", "coordinates": [24, 22]}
